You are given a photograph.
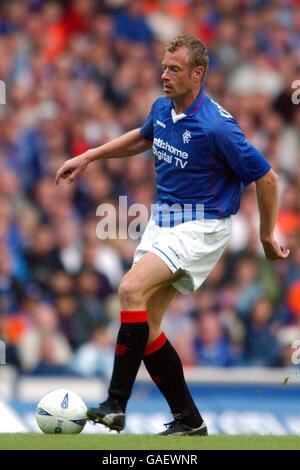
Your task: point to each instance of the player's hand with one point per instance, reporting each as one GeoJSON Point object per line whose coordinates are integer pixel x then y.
{"type": "Point", "coordinates": [273, 250]}
{"type": "Point", "coordinates": [72, 168]}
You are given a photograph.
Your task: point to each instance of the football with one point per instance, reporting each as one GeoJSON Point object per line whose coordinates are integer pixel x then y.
{"type": "Point", "coordinates": [61, 412]}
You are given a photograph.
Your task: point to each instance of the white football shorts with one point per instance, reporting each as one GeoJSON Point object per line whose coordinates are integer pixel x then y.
{"type": "Point", "coordinates": [194, 247]}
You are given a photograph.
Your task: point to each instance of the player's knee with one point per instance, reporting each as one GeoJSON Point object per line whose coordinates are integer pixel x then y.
{"type": "Point", "coordinates": [130, 293]}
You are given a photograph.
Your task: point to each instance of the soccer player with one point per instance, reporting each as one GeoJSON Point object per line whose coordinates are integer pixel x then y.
{"type": "Point", "coordinates": [202, 159]}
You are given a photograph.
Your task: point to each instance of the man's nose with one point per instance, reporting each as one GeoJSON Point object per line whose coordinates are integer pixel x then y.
{"type": "Point", "coordinates": [165, 74]}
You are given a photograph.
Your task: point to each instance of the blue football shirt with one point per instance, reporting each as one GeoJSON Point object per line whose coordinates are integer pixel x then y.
{"type": "Point", "coordinates": [201, 156]}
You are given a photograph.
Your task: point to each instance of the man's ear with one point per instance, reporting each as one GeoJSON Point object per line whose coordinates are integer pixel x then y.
{"type": "Point", "coordinates": [198, 73]}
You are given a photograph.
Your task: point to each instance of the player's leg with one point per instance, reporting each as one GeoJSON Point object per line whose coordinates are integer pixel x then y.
{"type": "Point", "coordinates": [165, 368]}
{"type": "Point", "coordinates": [143, 280]}
{"type": "Point", "coordinates": [137, 286]}
{"type": "Point", "coordinates": [156, 308]}
{"type": "Point", "coordinates": [198, 255]}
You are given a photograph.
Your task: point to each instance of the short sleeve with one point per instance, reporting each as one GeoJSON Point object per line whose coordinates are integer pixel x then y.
{"type": "Point", "coordinates": [245, 160]}
{"type": "Point", "coordinates": [147, 129]}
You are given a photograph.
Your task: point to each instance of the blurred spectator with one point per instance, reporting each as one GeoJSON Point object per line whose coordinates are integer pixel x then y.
{"type": "Point", "coordinates": [131, 25]}
{"type": "Point", "coordinates": [96, 357]}
{"type": "Point", "coordinates": [66, 307]}
{"type": "Point", "coordinates": [42, 348]}
{"type": "Point", "coordinates": [42, 257]}
{"type": "Point", "coordinates": [90, 309]}
{"type": "Point", "coordinates": [164, 22]}
{"type": "Point", "coordinates": [262, 347]}
{"type": "Point", "coordinates": [212, 347]}
{"type": "Point", "coordinates": [11, 290]}
{"type": "Point", "coordinates": [249, 287]}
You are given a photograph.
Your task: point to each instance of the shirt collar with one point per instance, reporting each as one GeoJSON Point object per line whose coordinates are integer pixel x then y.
{"type": "Point", "coordinates": [191, 110]}
{"type": "Point", "coordinates": [197, 103]}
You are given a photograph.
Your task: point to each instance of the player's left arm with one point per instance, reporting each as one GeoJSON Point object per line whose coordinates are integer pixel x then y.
{"type": "Point", "coordinates": [267, 198]}
{"type": "Point", "coordinates": [250, 165]}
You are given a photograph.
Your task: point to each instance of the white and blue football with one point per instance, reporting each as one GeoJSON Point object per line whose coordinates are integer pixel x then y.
{"type": "Point", "coordinates": [61, 412]}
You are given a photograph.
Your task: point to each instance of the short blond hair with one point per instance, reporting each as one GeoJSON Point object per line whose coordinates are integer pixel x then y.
{"type": "Point", "coordinates": [198, 50]}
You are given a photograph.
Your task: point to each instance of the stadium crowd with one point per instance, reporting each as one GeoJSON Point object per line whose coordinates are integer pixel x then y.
{"type": "Point", "coordinates": [81, 72]}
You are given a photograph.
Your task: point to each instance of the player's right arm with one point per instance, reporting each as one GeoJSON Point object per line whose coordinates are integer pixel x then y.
{"type": "Point", "coordinates": [127, 145]}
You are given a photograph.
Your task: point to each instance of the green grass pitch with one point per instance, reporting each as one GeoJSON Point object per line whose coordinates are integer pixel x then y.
{"type": "Point", "coordinates": [136, 442]}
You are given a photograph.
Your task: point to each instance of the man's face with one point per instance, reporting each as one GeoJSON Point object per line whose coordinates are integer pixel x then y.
{"type": "Point", "coordinates": [178, 78]}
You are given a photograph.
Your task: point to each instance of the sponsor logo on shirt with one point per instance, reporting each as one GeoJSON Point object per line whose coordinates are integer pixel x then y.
{"type": "Point", "coordinates": [170, 154]}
